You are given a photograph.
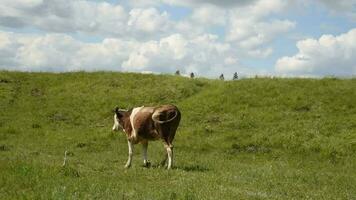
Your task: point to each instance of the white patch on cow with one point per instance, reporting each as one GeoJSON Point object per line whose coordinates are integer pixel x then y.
{"type": "Point", "coordinates": [116, 123]}
{"type": "Point", "coordinates": [147, 109]}
{"type": "Point", "coordinates": [132, 118]}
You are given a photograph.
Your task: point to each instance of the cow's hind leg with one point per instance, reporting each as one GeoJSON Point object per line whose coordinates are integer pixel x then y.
{"type": "Point", "coordinates": [145, 160]}
{"type": "Point", "coordinates": [129, 160]}
{"type": "Point", "coordinates": [169, 146]}
{"type": "Point", "coordinates": [169, 149]}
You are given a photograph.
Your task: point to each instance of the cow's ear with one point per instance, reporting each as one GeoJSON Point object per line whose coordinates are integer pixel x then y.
{"type": "Point", "coordinates": [118, 112]}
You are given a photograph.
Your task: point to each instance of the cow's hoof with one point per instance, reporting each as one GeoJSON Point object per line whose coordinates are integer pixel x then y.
{"type": "Point", "coordinates": [127, 166]}
{"type": "Point", "coordinates": [147, 164]}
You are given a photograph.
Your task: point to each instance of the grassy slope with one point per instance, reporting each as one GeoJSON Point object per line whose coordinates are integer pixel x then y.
{"type": "Point", "coordinates": [253, 138]}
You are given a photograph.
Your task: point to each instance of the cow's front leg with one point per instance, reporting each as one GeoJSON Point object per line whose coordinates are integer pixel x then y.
{"type": "Point", "coordinates": [145, 160]}
{"type": "Point", "coordinates": [130, 145]}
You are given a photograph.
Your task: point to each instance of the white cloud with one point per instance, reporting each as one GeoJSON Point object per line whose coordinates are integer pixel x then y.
{"type": "Point", "coordinates": [107, 55]}
{"type": "Point", "coordinates": [344, 8]}
{"type": "Point", "coordinates": [148, 20]}
{"type": "Point", "coordinates": [220, 3]}
{"type": "Point", "coordinates": [142, 23]}
{"type": "Point", "coordinates": [328, 55]}
{"type": "Point", "coordinates": [260, 53]}
{"type": "Point", "coordinates": [209, 15]}
{"type": "Point", "coordinates": [204, 54]}
{"type": "Point", "coordinates": [250, 31]}
{"type": "Point", "coordinates": [60, 52]}
{"type": "Point", "coordinates": [213, 36]}
{"type": "Point", "coordinates": [73, 16]}
{"type": "Point", "coordinates": [143, 3]}
{"type": "Point", "coordinates": [45, 52]}
{"type": "Point", "coordinates": [8, 47]}
{"type": "Point", "coordinates": [89, 17]}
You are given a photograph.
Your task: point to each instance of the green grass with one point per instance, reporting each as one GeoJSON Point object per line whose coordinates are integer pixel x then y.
{"type": "Point", "coordinates": [248, 139]}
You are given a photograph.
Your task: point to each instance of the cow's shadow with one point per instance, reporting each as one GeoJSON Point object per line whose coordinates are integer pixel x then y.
{"type": "Point", "coordinates": [187, 168]}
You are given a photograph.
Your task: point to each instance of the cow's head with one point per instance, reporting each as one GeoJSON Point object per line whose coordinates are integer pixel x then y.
{"type": "Point", "coordinates": [118, 119]}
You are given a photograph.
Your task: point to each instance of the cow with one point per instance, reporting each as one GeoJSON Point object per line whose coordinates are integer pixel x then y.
{"type": "Point", "coordinates": [143, 124]}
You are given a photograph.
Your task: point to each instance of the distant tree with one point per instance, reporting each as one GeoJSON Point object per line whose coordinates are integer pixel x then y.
{"type": "Point", "coordinates": [177, 72]}
{"type": "Point", "coordinates": [192, 75]}
{"type": "Point", "coordinates": [235, 77]}
{"type": "Point", "coordinates": [221, 77]}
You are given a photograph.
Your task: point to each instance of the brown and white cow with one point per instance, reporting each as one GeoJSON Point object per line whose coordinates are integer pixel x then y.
{"type": "Point", "coordinates": [142, 124]}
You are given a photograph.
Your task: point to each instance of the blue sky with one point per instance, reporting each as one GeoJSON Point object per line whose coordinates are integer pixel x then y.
{"type": "Point", "coordinates": [264, 37]}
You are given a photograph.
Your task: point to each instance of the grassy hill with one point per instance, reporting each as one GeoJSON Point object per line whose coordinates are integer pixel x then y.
{"type": "Point", "coordinates": [247, 139]}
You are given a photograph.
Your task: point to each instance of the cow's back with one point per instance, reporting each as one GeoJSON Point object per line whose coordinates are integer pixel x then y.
{"type": "Point", "coordinates": [145, 128]}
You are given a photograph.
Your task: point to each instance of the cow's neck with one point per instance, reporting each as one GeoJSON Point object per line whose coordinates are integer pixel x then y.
{"type": "Point", "coordinates": [127, 123]}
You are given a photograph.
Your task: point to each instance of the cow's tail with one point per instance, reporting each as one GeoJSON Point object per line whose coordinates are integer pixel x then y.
{"type": "Point", "coordinates": [156, 115]}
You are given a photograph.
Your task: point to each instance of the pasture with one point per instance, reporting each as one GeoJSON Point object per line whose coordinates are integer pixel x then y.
{"type": "Point", "coordinates": [255, 138]}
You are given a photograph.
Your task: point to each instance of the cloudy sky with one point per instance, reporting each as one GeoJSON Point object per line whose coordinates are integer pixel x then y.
{"type": "Point", "coordinates": [207, 37]}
